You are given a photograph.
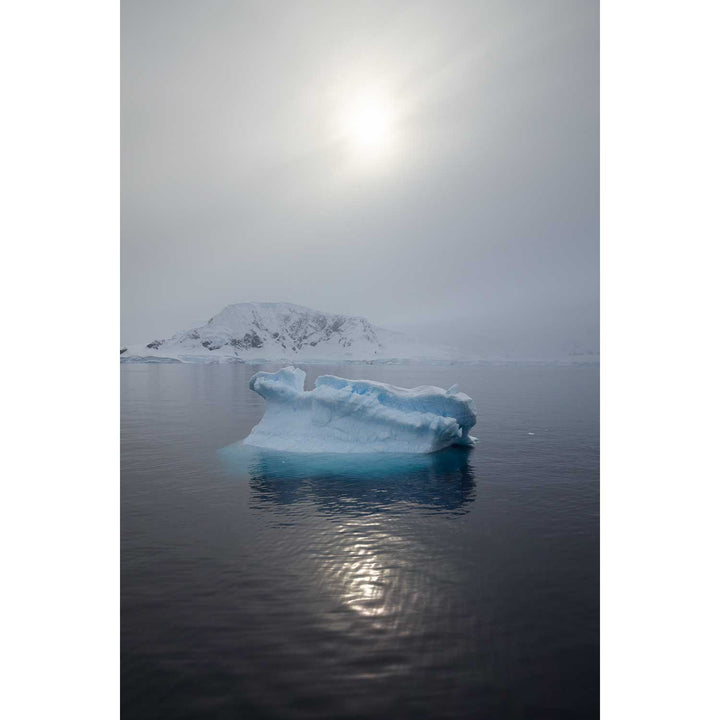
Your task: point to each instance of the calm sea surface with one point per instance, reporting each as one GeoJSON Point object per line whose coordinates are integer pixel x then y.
{"type": "Point", "coordinates": [463, 584]}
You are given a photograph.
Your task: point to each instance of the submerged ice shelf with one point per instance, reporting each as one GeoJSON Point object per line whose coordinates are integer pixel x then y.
{"type": "Point", "coordinates": [358, 416]}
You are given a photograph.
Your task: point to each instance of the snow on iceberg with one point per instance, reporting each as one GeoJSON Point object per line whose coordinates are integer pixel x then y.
{"type": "Point", "coordinates": [357, 416]}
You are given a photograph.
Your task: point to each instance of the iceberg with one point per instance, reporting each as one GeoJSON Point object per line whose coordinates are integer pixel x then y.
{"type": "Point", "coordinates": [358, 416]}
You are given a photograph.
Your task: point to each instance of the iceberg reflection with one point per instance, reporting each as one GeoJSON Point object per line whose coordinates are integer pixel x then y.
{"type": "Point", "coordinates": [355, 483]}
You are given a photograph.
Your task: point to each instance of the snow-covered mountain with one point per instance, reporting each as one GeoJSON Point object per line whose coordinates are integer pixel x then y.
{"type": "Point", "coordinates": [283, 331]}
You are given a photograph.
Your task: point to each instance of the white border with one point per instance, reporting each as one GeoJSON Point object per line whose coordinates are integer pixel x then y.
{"type": "Point", "coordinates": [60, 298]}
{"type": "Point", "coordinates": [659, 228]}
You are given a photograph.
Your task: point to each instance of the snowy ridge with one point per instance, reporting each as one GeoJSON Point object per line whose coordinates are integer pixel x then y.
{"type": "Point", "coordinates": [248, 332]}
{"type": "Point", "coordinates": [357, 416]}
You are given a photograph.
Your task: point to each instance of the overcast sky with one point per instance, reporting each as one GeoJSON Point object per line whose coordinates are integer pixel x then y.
{"type": "Point", "coordinates": [428, 165]}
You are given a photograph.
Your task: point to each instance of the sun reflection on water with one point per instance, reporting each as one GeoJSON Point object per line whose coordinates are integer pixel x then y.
{"type": "Point", "coordinates": [358, 520]}
{"type": "Point", "coordinates": [367, 569]}
{"type": "Point", "coordinates": [364, 578]}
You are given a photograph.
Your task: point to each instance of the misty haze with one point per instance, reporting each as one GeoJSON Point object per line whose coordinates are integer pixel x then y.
{"type": "Point", "coordinates": [432, 169]}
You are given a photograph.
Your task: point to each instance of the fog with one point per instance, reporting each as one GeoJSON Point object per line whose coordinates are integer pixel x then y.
{"type": "Point", "coordinates": [470, 215]}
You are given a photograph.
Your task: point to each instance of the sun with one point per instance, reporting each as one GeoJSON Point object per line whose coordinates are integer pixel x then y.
{"type": "Point", "coordinates": [367, 126]}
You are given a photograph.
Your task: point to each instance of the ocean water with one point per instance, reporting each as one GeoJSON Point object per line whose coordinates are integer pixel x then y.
{"type": "Point", "coordinates": [463, 584]}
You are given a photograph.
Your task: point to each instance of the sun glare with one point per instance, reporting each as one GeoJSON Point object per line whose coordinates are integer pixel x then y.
{"type": "Point", "coordinates": [370, 126]}
{"type": "Point", "coordinates": [366, 127]}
